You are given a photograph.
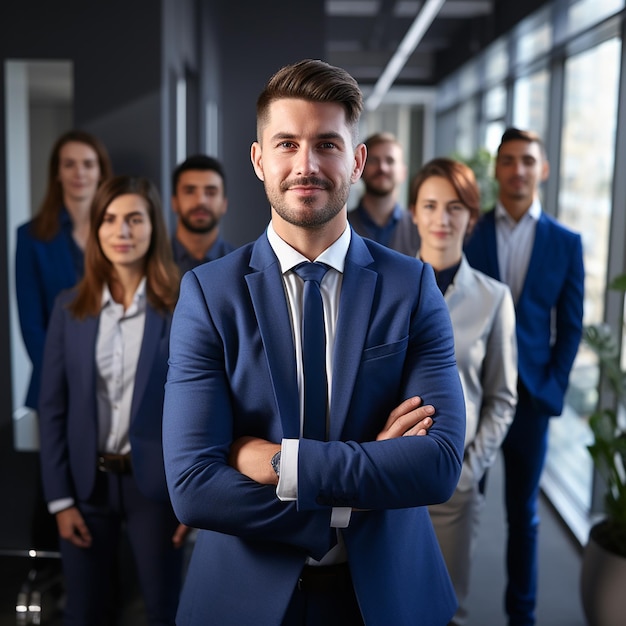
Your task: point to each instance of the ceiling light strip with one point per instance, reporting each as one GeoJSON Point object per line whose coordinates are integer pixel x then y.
{"type": "Point", "coordinates": [411, 40]}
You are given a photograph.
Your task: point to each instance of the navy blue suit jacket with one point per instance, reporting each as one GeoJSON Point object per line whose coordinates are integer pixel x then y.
{"type": "Point", "coordinates": [68, 410]}
{"type": "Point", "coordinates": [42, 270]}
{"type": "Point", "coordinates": [551, 301]}
{"type": "Point", "coordinates": [232, 373]}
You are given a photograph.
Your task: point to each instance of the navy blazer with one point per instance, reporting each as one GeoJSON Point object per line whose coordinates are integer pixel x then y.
{"type": "Point", "coordinates": [232, 373]}
{"type": "Point", "coordinates": [68, 405]}
{"type": "Point", "coordinates": [42, 270]}
{"type": "Point", "coordinates": [549, 311]}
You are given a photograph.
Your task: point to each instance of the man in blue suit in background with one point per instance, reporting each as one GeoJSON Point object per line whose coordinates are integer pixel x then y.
{"type": "Point", "coordinates": [542, 262]}
{"type": "Point", "coordinates": [297, 528]}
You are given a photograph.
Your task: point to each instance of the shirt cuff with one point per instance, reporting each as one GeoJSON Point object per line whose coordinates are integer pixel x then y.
{"type": "Point", "coordinates": [340, 517]}
{"type": "Point", "coordinates": [56, 506]}
{"type": "Point", "coordinates": [287, 489]}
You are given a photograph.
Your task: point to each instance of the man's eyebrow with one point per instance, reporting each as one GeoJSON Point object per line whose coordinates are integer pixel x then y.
{"type": "Point", "coordinates": [281, 136]}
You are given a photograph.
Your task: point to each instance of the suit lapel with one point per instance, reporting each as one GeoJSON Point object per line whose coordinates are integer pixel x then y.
{"type": "Point", "coordinates": [152, 335]}
{"type": "Point", "coordinates": [538, 253]}
{"type": "Point", "coordinates": [357, 295]}
{"type": "Point", "coordinates": [270, 307]}
{"type": "Point", "coordinates": [84, 337]}
{"type": "Point", "coordinates": [490, 245]}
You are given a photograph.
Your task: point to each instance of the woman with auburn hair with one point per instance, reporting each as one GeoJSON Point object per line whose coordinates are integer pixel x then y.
{"type": "Point", "coordinates": [444, 202]}
{"type": "Point", "coordinates": [105, 364]}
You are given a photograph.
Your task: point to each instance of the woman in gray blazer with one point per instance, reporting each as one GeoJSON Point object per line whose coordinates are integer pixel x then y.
{"type": "Point", "coordinates": [444, 202]}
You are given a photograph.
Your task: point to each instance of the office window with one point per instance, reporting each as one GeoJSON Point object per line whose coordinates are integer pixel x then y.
{"type": "Point", "coordinates": [469, 79]}
{"type": "Point", "coordinates": [589, 119]}
{"type": "Point", "coordinates": [466, 128]}
{"type": "Point", "coordinates": [530, 102]}
{"type": "Point", "coordinates": [535, 37]}
{"type": "Point", "coordinates": [496, 61]}
{"type": "Point", "coordinates": [495, 102]}
{"type": "Point", "coordinates": [584, 13]}
{"type": "Point", "coordinates": [587, 155]}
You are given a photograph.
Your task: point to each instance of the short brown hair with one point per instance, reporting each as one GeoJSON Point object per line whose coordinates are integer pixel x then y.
{"type": "Point", "coordinates": [383, 137]}
{"type": "Point", "coordinates": [459, 175]}
{"type": "Point", "coordinates": [516, 134]}
{"type": "Point", "coordinates": [315, 81]}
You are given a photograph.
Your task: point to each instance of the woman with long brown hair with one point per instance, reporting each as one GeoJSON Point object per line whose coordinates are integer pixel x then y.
{"type": "Point", "coordinates": [105, 365]}
{"type": "Point", "coordinates": [50, 247]}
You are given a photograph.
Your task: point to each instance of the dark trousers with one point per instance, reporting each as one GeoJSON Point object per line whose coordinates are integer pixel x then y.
{"type": "Point", "coordinates": [330, 601]}
{"type": "Point", "coordinates": [150, 525]}
{"type": "Point", "coordinates": [524, 452]}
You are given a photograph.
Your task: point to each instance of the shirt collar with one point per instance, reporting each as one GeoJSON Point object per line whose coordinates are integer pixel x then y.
{"type": "Point", "coordinates": [139, 299]}
{"type": "Point", "coordinates": [334, 256]}
{"type": "Point", "coordinates": [534, 211]}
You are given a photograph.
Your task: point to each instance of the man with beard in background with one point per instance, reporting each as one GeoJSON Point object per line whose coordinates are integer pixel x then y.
{"type": "Point", "coordinates": [199, 200]}
{"type": "Point", "coordinates": [378, 215]}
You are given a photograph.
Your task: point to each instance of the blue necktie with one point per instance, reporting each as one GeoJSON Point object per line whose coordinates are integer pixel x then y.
{"type": "Point", "coordinates": [313, 351]}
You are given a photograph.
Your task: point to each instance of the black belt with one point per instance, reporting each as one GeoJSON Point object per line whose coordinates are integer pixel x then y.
{"type": "Point", "coordinates": [115, 463]}
{"type": "Point", "coordinates": [325, 578]}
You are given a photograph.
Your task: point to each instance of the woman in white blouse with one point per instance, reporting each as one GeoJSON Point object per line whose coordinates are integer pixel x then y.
{"type": "Point", "coordinates": [104, 370]}
{"type": "Point", "coordinates": [444, 202]}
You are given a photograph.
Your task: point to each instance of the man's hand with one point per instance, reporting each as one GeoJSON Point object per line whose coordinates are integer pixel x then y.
{"type": "Point", "coordinates": [180, 535]}
{"type": "Point", "coordinates": [73, 528]}
{"type": "Point", "coordinates": [408, 420]}
{"type": "Point", "coordinates": [252, 457]}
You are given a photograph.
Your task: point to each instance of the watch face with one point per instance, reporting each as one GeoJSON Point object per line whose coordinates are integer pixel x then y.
{"type": "Point", "coordinates": [276, 463]}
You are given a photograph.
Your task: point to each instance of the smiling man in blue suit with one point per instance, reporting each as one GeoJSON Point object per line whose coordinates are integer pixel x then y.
{"type": "Point", "coordinates": [297, 526]}
{"type": "Point", "coordinates": [542, 262]}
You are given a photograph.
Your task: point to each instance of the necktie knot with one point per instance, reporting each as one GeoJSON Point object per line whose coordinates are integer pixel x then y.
{"type": "Point", "coordinates": [311, 271]}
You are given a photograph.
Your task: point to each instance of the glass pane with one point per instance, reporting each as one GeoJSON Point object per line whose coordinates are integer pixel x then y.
{"type": "Point", "coordinates": [496, 61]}
{"type": "Point", "coordinates": [493, 135]}
{"type": "Point", "coordinates": [587, 155]}
{"type": "Point", "coordinates": [495, 103]}
{"type": "Point", "coordinates": [468, 80]}
{"type": "Point", "coordinates": [534, 39]}
{"type": "Point", "coordinates": [530, 102]}
{"type": "Point", "coordinates": [584, 13]}
{"type": "Point", "coordinates": [466, 128]}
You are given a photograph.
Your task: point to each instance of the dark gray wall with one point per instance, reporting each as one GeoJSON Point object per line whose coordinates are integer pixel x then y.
{"type": "Point", "coordinates": [254, 42]}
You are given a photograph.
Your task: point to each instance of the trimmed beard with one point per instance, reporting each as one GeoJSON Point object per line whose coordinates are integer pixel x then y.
{"type": "Point", "coordinates": [300, 216]}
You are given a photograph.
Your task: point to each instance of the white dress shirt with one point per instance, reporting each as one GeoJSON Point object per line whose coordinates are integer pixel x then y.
{"type": "Point", "coordinates": [120, 333]}
{"type": "Point", "coordinates": [515, 242]}
{"type": "Point", "coordinates": [288, 258]}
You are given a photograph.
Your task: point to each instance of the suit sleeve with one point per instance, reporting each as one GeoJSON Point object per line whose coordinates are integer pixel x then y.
{"type": "Point", "coordinates": [406, 471]}
{"type": "Point", "coordinates": [198, 426]}
{"type": "Point", "coordinates": [30, 298]}
{"type": "Point", "coordinates": [569, 324]}
{"type": "Point", "coordinates": [499, 387]}
{"type": "Point", "coordinates": [53, 406]}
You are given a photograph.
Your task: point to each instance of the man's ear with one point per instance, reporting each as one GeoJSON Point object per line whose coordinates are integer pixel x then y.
{"type": "Point", "coordinates": [545, 171]}
{"type": "Point", "coordinates": [256, 156]}
{"type": "Point", "coordinates": [360, 156]}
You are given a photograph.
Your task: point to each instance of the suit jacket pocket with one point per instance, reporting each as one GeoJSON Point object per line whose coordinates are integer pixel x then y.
{"type": "Point", "coordinates": [385, 350]}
